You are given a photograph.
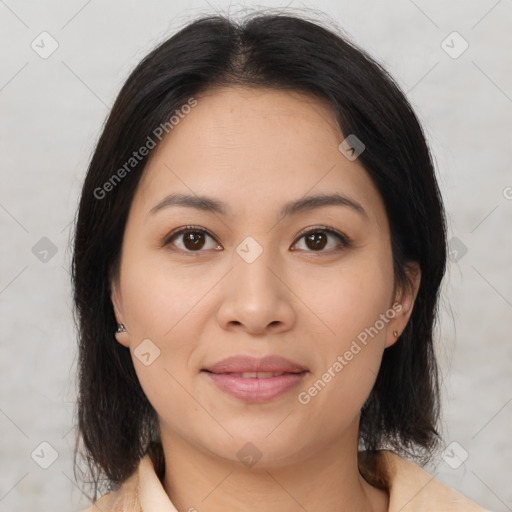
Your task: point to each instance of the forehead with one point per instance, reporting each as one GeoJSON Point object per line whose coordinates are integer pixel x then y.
{"type": "Point", "coordinates": [255, 146]}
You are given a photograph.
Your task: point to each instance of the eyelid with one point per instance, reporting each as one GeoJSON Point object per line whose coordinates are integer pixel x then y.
{"type": "Point", "coordinates": [344, 239]}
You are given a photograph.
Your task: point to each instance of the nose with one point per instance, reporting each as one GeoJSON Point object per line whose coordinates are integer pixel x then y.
{"type": "Point", "coordinates": [256, 297]}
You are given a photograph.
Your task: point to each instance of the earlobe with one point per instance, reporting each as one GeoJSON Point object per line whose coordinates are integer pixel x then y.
{"type": "Point", "coordinates": [121, 331]}
{"type": "Point", "coordinates": [122, 339]}
{"type": "Point", "coordinates": [121, 335]}
{"type": "Point", "coordinates": [404, 303]}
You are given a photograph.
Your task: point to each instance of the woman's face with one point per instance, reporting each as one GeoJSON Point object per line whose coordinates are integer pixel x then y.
{"type": "Point", "coordinates": [255, 283]}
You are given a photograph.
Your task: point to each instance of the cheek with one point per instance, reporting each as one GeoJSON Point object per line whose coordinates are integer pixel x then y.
{"type": "Point", "coordinates": [355, 308]}
{"type": "Point", "coordinates": [166, 307]}
{"type": "Point", "coordinates": [351, 300]}
{"type": "Point", "coordinates": [158, 297]}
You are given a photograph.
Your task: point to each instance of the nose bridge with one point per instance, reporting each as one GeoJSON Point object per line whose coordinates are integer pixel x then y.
{"type": "Point", "coordinates": [251, 264]}
{"type": "Point", "coordinates": [255, 297]}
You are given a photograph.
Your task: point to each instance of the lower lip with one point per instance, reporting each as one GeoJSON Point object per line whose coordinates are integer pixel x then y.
{"type": "Point", "coordinates": [253, 389]}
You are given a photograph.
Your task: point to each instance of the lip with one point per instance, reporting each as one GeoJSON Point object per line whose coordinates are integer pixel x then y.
{"type": "Point", "coordinates": [253, 389]}
{"type": "Point", "coordinates": [245, 363]}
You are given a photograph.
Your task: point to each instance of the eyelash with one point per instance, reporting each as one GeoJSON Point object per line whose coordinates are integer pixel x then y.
{"type": "Point", "coordinates": [344, 240]}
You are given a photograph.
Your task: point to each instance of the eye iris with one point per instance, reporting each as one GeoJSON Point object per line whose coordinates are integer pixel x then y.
{"type": "Point", "coordinates": [194, 238]}
{"type": "Point", "coordinates": [316, 239]}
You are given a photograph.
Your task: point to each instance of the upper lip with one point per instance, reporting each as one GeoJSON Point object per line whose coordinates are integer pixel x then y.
{"type": "Point", "coordinates": [246, 363]}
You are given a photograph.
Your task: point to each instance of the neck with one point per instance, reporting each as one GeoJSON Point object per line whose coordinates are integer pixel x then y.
{"type": "Point", "coordinates": [328, 479]}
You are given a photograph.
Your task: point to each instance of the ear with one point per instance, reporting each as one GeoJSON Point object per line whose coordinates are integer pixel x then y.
{"type": "Point", "coordinates": [115, 297]}
{"type": "Point", "coordinates": [403, 303]}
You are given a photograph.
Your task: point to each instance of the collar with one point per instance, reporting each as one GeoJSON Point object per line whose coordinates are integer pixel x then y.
{"type": "Point", "coordinates": [410, 488]}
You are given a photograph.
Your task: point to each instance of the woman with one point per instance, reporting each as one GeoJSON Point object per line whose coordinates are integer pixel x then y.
{"type": "Point", "coordinates": [259, 249]}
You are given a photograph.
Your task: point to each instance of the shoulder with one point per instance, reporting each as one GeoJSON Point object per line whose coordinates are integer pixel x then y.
{"type": "Point", "coordinates": [412, 489]}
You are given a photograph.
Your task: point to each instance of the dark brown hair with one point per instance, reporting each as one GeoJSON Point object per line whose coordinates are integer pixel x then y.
{"type": "Point", "coordinates": [116, 423]}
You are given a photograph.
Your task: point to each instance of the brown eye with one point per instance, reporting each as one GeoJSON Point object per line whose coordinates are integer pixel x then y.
{"type": "Point", "coordinates": [317, 239]}
{"type": "Point", "coordinates": [192, 239]}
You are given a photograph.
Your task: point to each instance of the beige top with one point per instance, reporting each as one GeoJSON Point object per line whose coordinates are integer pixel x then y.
{"type": "Point", "coordinates": [411, 489]}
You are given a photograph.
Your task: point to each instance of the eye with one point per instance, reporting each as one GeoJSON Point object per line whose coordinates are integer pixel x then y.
{"type": "Point", "coordinates": [317, 239]}
{"type": "Point", "coordinates": [194, 239]}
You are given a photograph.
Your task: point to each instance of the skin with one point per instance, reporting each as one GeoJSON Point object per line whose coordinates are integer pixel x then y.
{"type": "Point", "coordinates": [255, 150]}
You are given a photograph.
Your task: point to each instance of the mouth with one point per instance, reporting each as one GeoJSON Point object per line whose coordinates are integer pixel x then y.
{"type": "Point", "coordinates": [255, 379]}
{"type": "Point", "coordinates": [256, 387]}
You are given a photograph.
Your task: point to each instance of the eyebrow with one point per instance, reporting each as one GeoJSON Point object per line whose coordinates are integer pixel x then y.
{"type": "Point", "coordinates": [210, 204]}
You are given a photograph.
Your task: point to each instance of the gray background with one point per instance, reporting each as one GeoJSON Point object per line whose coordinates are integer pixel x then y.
{"type": "Point", "coordinates": [52, 112]}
